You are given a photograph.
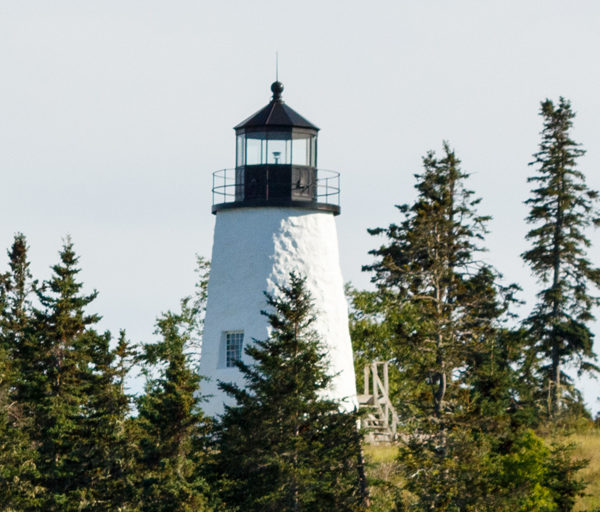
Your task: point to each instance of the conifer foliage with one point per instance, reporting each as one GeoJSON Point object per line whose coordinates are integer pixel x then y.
{"type": "Point", "coordinates": [17, 327]}
{"type": "Point", "coordinates": [429, 264]}
{"type": "Point", "coordinates": [562, 207]}
{"type": "Point", "coordinates": [171, 426]}
{"type": "Point", "coordinates": [282, 446]}
{"type": "Point", "coordinates": [458, 360]}
{"type": "Point", "coordinates": [77, 402]}
{"type": "Point", "coordinates": [18, 352]}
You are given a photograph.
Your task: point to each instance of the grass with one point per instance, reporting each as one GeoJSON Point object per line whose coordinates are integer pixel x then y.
{"type": "Point", "coordinates": [588, 447]}
{"type": "Point", "coordinates": [382, 475]}
{"type": "Point", "coordinates": [384, 479]}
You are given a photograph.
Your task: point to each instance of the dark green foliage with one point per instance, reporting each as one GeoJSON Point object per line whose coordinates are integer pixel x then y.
{"type": "Point", "coordinates": [16, 287]}
{"type": "Point", "coordinates": [464, 408]}
{"type": "Point", "coordinates": [18, 471]}
{"type": "Point", "coordinates": [562, 207]}
{"type": "Point", "coordinates": [17, 457]}
{"type": "Point", "coordinates": [77, 402]}
{"type": "Point", "coordinates": [374, 317]}
{"type": "Point", "coordinates": [283, 446]}
{"type": "Point", "coordinates": [107, 451]}
{"type": "Point", "coordinates": [533, 476]}
{"type": "Point", "coordinates": [17, 333]}
{"type": "Point", "coordinates": [430, 272]}
{"type": "Point", "coordinates": [67, 441]}
{"type": "Point", "coordinates": [171, 426]}
{"type": "Point", "coordinates": [562, 478]}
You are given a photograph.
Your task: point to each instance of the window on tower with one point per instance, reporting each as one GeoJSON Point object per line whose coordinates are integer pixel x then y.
{"type": "Point", "coordinates": [234, 341]}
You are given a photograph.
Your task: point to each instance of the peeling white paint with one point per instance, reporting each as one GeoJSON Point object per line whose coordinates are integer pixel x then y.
{"type": "Point", "coordinates": [254, 250]}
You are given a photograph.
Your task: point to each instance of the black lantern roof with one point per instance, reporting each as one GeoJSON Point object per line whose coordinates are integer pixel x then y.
{"type": "Point", "coordinates": [276, 115]}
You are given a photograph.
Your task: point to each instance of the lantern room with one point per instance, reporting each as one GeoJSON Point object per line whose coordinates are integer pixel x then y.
{"type": "Point", "coordinates": [276, 163]}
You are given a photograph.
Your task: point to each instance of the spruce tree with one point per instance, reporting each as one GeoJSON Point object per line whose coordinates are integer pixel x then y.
{"type": "Point", "coordinates": [106, 446]}
{"type": "Point", "coordinates": [283, 446]}
{"type": "Point", "coordinates": [78, 407]}
{"type": "Point", "coordinates": [562, 208]}
{"type": "Point", "coordinates": [463, 414]}
{"type": "Point", "coordinates": [16, 323]}
{"type": "Point", "coordinates": [17, 455]}
{"type": "Point", "coordinates": [18, 470]}
{"type": "Point", "coordinates": [428, 265]}
{"type": "Point", "coordinates": [16, 286]}
{"type": "Point", "coordinates": [171, 426]}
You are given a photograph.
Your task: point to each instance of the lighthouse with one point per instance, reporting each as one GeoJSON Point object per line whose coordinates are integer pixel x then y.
{"type": "Point", "coordinates": [275, 214]}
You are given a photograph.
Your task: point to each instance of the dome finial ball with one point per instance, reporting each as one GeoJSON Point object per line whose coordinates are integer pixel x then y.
{"type": "Point", "coordinates": [277, 89]}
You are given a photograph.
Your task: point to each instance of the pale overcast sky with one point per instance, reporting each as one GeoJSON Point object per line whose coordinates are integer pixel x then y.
{"type": "Point", "coordinates": [113, 115]}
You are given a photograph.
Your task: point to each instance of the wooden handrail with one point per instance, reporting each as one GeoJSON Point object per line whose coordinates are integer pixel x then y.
{"type": "Point", "coordinates": [378, 393]}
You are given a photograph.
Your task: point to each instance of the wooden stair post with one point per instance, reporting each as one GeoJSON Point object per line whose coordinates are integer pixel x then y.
{"type": "Point", "coordinates": [380, 420]}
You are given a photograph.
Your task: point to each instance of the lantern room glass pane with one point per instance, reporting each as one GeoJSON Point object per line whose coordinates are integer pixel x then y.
{"type": "Point", "coordinates": [279, 148]}
{"type": "Point", "coordinates": [301, 150]}
{"type": "Point", "coordinates": [255, 148]}
{"type": "Point", "coordinates": [240, 151]}
{"type": "Point", "coordinates": [279, 152]}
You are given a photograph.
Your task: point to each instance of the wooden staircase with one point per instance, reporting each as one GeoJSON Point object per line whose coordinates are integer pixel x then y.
{"type": "Point", "coordinates": [380, 420]}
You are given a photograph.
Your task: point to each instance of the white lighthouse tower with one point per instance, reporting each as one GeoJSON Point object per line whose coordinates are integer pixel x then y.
{"type": "Point", "coordinates": [274, 215]}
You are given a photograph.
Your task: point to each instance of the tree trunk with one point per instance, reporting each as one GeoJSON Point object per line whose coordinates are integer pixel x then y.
{"type": "Point", "coordinates": [556, 303]}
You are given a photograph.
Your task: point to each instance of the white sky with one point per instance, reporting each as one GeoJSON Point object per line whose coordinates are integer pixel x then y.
{"type": "Point", "coordinates": [113, 114]}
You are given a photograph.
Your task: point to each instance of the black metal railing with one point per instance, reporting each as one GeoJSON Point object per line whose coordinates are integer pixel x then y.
{"type": "Point", "coordinates": [229, 189]}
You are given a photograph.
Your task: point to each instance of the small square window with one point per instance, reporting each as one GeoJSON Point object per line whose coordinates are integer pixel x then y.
{"type": "Point", "coordinates": [233, 347]}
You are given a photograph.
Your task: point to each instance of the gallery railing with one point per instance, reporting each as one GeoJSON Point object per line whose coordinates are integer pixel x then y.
{"type": "Point", "coordinates": [227, 188]}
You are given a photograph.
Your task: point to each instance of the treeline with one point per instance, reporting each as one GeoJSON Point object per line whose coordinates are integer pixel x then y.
{"type": "Point", "coordinates": [73, 439]}
{"type": "Point", "coordinates": [68, 437]}
{"type": "Point", "coordinates": [477, 389]}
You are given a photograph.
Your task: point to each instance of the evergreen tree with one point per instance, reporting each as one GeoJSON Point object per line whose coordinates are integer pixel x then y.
{"type": "Point", "coordinates": [106, 448]}
{"type": "Point", "coordinates": [17, 456]}
{"type": "Point", "coordinates": [171, 426]}
{"type": "Point", "coordinates": [16, 323]}
{"type": "Point", "coordinates": [18, 472]}
{"type": "Point", "coordinates": [429, 267]}
{"type": "Point", "coordinates": [464, 419]}
{"type": "Point", "coordinates": [193, 309]}
{"type": "Point", "coordinates": [562, 207]}
{"type": "Point", "coordinates": [283, 446]}
{"type": "Point", "coordinates": [78, 406]}
{"type": "Point", "coordinates": [15, 288]}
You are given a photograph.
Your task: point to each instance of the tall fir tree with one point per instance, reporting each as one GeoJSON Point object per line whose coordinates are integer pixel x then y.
{"type": "Point", "coordinates": [17, 455]}
{"type": "Point", "coordinates": [462, 416]}
{"type": "Point", "coordinates": [283, 446]}
{"type": "Point", "coordinates": [428, 266]}
{"type": "Point", "coordinates": [107, 444]}
{"type": "Point", "coordinates": [18, 460]}
{"type": "Point", "coordinates": [79, 405]}
{"type": "Point", "coordinates": [562, 207]}
{"type": "Point", "coordinates": [16, 324]}
{"type": "Point", "coordinates": [17, 287]}
{"type": "Point", "coordinates": [171, 426]}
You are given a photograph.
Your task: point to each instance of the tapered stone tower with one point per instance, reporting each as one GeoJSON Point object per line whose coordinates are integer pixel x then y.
{"type": "Point", "coordinates": [275, 214]}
